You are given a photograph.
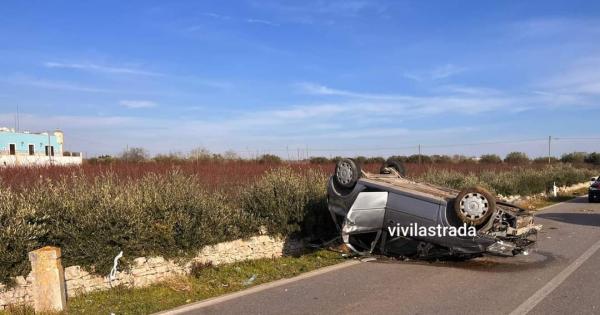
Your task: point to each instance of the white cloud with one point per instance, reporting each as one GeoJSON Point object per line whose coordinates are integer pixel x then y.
{"type": "Point", "coordinates": [478, 100]}
{"type": "Point", "coordinates": [99, 68]}
{"type": "Point", "coordinates": [55, 85]}
{"type": "Point", "coordinates": [216, 16]}
{"type": "Point", "coordinates": [259, 21]}
{"type": "Point", "coordinates": [581, 78]}
{"type": "Point", "coordinates": [135, 104]}
{"type": "Point", "coordinates": [554, 26]}
{"type": "Point", "coordinates": [437, 73]}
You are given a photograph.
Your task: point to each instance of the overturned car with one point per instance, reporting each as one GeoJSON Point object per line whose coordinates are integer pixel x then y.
{"type": "Point", "coordinates": [388, 214]}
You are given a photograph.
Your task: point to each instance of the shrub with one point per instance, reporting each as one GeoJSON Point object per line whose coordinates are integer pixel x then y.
{"type": "Point", "coordinates": [375, 160]}
{"type": "Point", "coordinates": [269, 159]}
{"type": "Point", "coordinates": [360, 160]}
{"type": "Point", "coordinates": [520, 181]}
{"type": "Point", "coordinates": [400, 158]}
{"type": "Point", "coordinates": [416, 158]}
{"type": "Point", "coordinates": [490, 159]}
{"type": "Point", "coordinates": [593, 158]}
{"type": "Point", "coordinates": [21, 225]}
{"type": "Point", "coordinates": [92, 220]}
{"type": "Point", "coordinates": [319, 160]}
{"type": "Point", "coordinates": [544, 160]}
{"type": "Point", "coordinates": [286, 202]}
{"type": "Point", "coordinates": [462, 159]}
{"type": "Point", "coordinates": [573, 157]}
{"type": "Point", "coordinates": [134, 155]}
{"type": "Point", "coordinates": [441, 159]}
{"type": "Point", "coordinates": [516, 158]}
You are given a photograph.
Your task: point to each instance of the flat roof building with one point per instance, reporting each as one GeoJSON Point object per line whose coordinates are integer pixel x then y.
{"type": "Point", "coordinates": [28, 148]}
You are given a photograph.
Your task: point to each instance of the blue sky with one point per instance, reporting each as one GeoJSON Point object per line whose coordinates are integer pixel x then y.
{"type": "Point", "coordinates": [339, 77]}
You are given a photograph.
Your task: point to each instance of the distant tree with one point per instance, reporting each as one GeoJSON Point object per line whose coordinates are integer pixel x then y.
{"type": "Point", "coordinates": [463, 159]}
{"type": "Point", "coordinates": [102, 159]}
{"type": "Point", "coordinates": [490, 159]}
{"type": "Point", "coordinates": [200, 154]}
{"type": "Point", "coordinates": [425, 159]}
{"type": "Point", "coordinates": [441, 159]}
{"type": "Point", "coordinates": [134, 154]}
{"type": "Point", "coordinates": [593, 158]}
{"type": "Point", "coordinates": [319, 160]}
{"type": "Point", "coordinates": [336, 159]}
{"type": "Point", "coordinates": [168, 158]}
{"type": "Point", "coordinates": [231, 155]}
{"type": "Point", "coordinates": [516, 158]}
{"type": "Point", "coordinates": [374, 160]}
{"type": "Point", "coordinates": [360, 159]}
{"type": "Point", "coordinates": [544, 160]}
{"type": "Point", "coordinates": [217, 157]}
{"type": "Point", "coordinates": [573, 157]}
{"type": "Point", "coordinates": [400, 158]}
{"type": "Point", "coordinates": [269, 159]}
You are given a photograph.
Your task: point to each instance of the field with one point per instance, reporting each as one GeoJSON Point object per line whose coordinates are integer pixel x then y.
{"type": "Point", "coordinates": [172, 209]}
{"type": "Point", "coordinates": [222, 175]}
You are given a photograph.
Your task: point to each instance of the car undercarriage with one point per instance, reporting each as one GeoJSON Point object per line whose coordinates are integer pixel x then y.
{"type": "Point", "coordinates": [390, 215]}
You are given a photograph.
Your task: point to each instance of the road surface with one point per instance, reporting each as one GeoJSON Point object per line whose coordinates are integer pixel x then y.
{"type": "Point", "coordinates": [561, 276]}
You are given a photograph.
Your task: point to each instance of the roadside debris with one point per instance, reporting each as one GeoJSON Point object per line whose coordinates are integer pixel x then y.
{"type": "Point", "coordinates": [113, 272]}
{"type": "Point", "coordinates": [250, 280]}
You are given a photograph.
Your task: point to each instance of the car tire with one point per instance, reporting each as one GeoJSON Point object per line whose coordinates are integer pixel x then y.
{"type": "Point", "coordinates": [347, 173]}
{"type": "Point", "coordinates": [474, 205]}
{"type": "Point", "coordinates": [395, 164]}
{"type": "Point", "coordinates": [590, 199]}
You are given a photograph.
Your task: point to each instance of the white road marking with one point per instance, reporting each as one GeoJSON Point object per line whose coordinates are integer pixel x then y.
{"type": "Point", "coordinates": [219, 299]}
{"type": "Point", "coordinates": [538, 296]}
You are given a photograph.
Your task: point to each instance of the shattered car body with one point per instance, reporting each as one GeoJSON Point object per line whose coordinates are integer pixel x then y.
{"type": "Point", "coordinates": [366, 208]}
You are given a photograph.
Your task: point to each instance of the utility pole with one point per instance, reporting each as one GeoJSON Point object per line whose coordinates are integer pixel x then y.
{"type": "Point", "coordinates": [549, 146]}
{"type": "Point", "coordinates": [49, 149]}
{"type": "Point", "coordinates": [18, 122]}
{"type": "Point", "coordinates": [419, 154]}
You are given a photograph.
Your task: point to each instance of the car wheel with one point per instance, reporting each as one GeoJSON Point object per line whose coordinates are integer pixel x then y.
{"type": "Point", "coordinates": [590, 199]}
{"type": "Point", "coordinates": [347, 173]}
{"type": "Point", "coordinates": [395, 164]}
{"type": "Point", "coordinates": [474, 205]}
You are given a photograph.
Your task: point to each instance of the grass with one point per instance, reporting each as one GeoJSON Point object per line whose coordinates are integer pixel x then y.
{"type": "Point", "coordinates": [538, 203]}
{"type": "Point", "coordinates": [204, 283]}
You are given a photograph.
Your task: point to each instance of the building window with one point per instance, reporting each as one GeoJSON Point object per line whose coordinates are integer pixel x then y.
{"type": "Point", "coordinates": [31, 149]}
{"type": "Point", "coordinates": [13, 149]}
{"type": "Point", "coordinates": [50, 150]}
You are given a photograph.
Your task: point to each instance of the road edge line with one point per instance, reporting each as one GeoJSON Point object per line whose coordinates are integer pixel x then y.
{"type": "Point", "coordinates": [256, 289]}
{"type": "Point", "coordinates": [558, 203]}
{"type": "Point", "coordinates": [544, 291]}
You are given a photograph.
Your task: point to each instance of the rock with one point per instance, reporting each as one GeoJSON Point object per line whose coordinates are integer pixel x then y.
{"type": "Point", "coordinates": [20, 281]}
{"type": "Point", "coordinates": [139, 261]}
{"type": "Point", "coordinates": [72, 272]}
{"type": "Point", "coordinates": [155, 260]}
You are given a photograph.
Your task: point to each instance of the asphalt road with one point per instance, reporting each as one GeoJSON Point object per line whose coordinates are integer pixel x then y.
{"type": "Point", "coordinates": [560, 276]}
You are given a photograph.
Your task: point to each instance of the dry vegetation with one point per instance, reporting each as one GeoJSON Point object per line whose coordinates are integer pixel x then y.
{"type": "Point", "coordinates": [173, 208]}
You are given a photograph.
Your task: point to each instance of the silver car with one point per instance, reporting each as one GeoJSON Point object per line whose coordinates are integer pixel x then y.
{"type": "Point", "coordinates": [386, 214]}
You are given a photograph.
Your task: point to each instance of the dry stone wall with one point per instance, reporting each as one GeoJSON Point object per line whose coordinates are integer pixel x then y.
{"type": "Point", "coordinates": [148, 270]}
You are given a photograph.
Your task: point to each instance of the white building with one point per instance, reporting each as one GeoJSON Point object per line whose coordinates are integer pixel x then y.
{"type": "Point", "coordinates": [27, 148]}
